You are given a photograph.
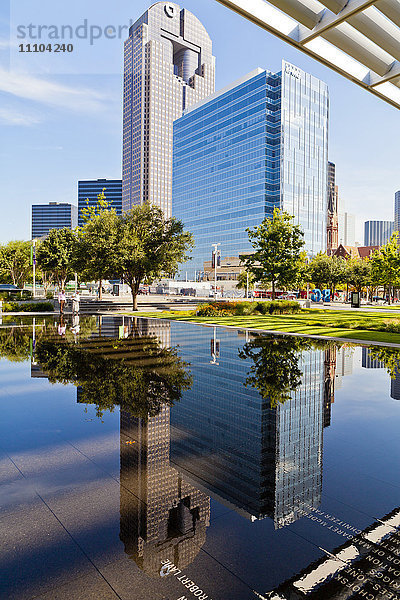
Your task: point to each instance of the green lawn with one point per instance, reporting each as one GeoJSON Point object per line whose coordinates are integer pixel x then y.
{"type": "Point", "coordinates": [340, 324]}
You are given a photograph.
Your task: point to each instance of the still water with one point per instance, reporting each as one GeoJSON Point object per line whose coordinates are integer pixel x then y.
{"type": "Point", "coordinates": [157, 460]}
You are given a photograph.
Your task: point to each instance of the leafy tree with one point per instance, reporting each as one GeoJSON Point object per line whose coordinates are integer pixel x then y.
{"type": "Point", "coordinates": [327, 271]}
{"type": "Point", "coordinates": [55, 255]}
{"type": "Point", "coordinates": [390, 357]}
{"type": "Point", "coordinates": [277, 257]}
{"type": "Point", "coordinates": [149, 246]}
{"type": "Point", "coordinates": [97, 250]}
{"type": "Point", "coordinates": [15, 262]}
{"type": "Point", "coordinates": [135, 373]}
{"type": "Point", "coordinates": [385, 265]}
{"type": "Point", "coordinates": [358, 273]}
{"type": "Point", "coordinates": [246, 280]}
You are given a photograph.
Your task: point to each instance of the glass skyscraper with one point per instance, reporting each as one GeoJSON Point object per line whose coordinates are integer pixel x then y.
{"type": "Point", "coordinates": [168, 65]}
{"type": "Point", "coordinates": [90, 189]}
{"type": "Point", "coordinates": [55, 215]}
{"type": "Point", "coordinates": [377, 233]}
{"type": "Point", "coordinates": [397, 211]}
{"type": "Point", "coordinates": [259, 143]}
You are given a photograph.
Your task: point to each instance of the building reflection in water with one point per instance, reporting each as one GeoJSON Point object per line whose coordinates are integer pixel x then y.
{"type": "Point", "coordinates": [162, 516]}
{"type": "Point", "coordinates": [264, 461]}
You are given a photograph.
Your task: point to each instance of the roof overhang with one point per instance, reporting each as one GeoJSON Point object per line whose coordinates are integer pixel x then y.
{"type": "Point", "coordinates": [359, 39]}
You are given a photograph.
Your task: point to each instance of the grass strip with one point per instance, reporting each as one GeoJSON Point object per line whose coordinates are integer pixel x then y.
{"type": "Point", "coordinates": [325, 323]}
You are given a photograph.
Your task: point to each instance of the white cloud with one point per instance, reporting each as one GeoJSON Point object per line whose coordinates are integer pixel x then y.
{"type": "Point", "coordinates": [9, 116]}
{"type": "Point", "coordinates": [57, 95]}
{"type": "Point", "coordinates": [5, 44]}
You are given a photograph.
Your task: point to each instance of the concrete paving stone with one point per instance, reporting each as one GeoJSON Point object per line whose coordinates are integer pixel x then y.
{"type": "Point", "coordinates": [132, 583]}
{"type": "Point", "coordinates": [36, 553]}
{"type": "Point", "coordinates": [88, 587]}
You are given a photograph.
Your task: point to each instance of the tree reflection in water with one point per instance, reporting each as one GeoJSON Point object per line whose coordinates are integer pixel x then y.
{"type": "Point", "coordinates": [135, 373]}
{"type": "Point", "coordinates": [275, 372]}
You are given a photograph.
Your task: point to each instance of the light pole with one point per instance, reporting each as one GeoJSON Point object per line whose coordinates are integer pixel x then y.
{"type": "Point", "coordinates": [215, 261]}
{"type": "Point", "coordinates": [34, 268]}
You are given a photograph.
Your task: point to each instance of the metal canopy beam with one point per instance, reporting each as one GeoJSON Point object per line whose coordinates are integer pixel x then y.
{"type": "Point", "coordinates": [360, 39]}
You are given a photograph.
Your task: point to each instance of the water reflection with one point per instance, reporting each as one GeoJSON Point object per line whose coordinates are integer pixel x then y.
{"type": "Point", "coordinates": [162, 516]}
{"type": "Point", "coordinates": [136, 371]}
{"type": "Point", "coordinates": [236, 417]}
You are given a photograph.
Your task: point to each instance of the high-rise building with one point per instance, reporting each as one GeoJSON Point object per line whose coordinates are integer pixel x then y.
{"type": "Point", "coordinates": [257, 144]}
{"type": "Point", "coordinates": [168, 65]}
{"type": "Point", "coordinates": [55, 215]}
{"type": "Point", "coordinates": [397, 211]}
{"type": "Point", "coordinates": [346, 228]}
{"type": "Point", "coordinates": [377, 233]}
{"type": "Point", "coordinates": [332, 218]}
{"type": "Point", "coordinates": [91, 188]}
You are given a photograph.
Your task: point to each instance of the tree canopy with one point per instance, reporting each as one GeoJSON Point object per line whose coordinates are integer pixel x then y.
{"type": "Point", "coordinates": [150, 246]}
{"type": "Point", "coordinates": [278, 244]}
{"type": "Point", "coordinates": [15, 263]}
{"type": "Point", "coordinates": [327, 271]}
{"type": "Point", "coordinates": [55, 255]}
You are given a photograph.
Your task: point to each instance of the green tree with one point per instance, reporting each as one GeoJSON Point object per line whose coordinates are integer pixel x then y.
{"type": "Point", "coordinates": [15, 262]}
{"type": "Point", "coordinates": [149, 246]}
{"type": "Point", "coordinates": [358, 273]}
{"type": "Point", "coordinates": [385, 265]}
{"type": "Point", "coordinates": [277, 258]}
{"type": "Point", "coordinates": [56, 255]}
{"type": "Point", "coordinates": [327, 271]}
{"type": "Point", "coordinates": [96, 254]}
{"type": "Point", "coordinates": [246, 281]}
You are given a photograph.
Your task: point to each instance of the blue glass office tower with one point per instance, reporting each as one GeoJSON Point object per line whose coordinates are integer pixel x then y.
{"type": "Point", "coordinates": [259, 143]}
{"type": "Point", "coordinates": [90, 189]}
{"type": "Point", "coordinates": [55, 215]}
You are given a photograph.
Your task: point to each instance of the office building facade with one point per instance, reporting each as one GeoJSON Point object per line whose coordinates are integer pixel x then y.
{"type": "Point", "coordinates": [257, 144]}
{"type": "Point", "coordinates": [346, 229]}
{"type": "Point", "coordinates": [89, 190]}
{"type": "Point", "coordinates": [377, 233]}
{"type": "Point", "coordinates": [55, 215]}
{"type": "Point", "coordinates": [397, 211]}
{"type": "Point", "coordinates": [168, 65]}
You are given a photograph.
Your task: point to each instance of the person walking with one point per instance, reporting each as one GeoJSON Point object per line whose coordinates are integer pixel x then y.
{"type": "Point", "coordinates": [75, 303]}
{"type": "Point", "coordinates": [61, 299]}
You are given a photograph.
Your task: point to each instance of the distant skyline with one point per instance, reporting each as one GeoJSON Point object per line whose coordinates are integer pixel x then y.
{"type": "Point", "coordinates": [61, 116]}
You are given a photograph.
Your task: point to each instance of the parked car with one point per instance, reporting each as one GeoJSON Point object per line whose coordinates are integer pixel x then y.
{"type": "Point", "coordinates": [9, 287]}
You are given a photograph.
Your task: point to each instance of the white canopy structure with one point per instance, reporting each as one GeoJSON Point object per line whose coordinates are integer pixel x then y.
{"type": "Point", "coordinates": [358, 38]}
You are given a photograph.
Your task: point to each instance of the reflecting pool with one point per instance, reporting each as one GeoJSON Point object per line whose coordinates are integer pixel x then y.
{"type": "Point", "coordinates": [154, 460]}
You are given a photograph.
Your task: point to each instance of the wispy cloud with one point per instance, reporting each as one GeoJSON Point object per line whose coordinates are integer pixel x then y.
{"type": "Point", "coordinates": [9, 116]}
{"type": "Point", "coordinates": [4, 44]}
{"type": "Point", "coordinates": [50, 93]}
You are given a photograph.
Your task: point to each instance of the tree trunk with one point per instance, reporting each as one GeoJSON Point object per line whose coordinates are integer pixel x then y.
{"type": "Point", "coordinates": [273, 290]}
{"type": "Point", "coordinates": [100, 292]}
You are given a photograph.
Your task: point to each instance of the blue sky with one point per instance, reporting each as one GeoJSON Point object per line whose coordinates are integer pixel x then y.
{"type": "Point", "coordinates": [61, 114]}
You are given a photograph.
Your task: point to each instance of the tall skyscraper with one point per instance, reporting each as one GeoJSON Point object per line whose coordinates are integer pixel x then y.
{"type": "Point", "coordinates": [168, 65]}
{"type": "Point", "coordinates": [54, 215]}
{"type": "Point", "coordinates": [377, 233]}
{"type": "Point", "coordinates": [346, 228]}
{"type": "Point", "coordinates": [332, 217]}
{"type": "Point", "coordinates": [91, 188]}
{"type": "Point", "coordinates": [237, 155]}
{"type": "Point", "coordinates": [397, 211]}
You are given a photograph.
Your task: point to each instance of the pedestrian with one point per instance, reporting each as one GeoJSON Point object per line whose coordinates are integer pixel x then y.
{"type": "Point", "coordinates": [61, 299]}
{"type": "Point", "coordinates": [75, 303]}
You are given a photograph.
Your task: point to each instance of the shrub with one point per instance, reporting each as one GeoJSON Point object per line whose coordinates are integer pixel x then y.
{"type": "Point", "coordinates": [280, 307]}
{"type": "Point", "coordinates": [28, 307]}
{"type": "Point", "coordinates": [210, 310]}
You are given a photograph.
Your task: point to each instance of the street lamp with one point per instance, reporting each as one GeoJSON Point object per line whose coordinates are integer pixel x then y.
{"type": "Point", "coordinates": [216, 257]}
